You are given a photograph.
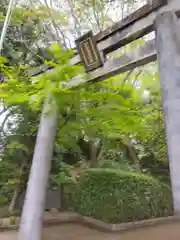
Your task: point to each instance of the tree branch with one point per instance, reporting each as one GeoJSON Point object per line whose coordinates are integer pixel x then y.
{"type": "Point", "coordinates": [76, 20]}
{"type": "Point", "coordinates": [55, 25]}
{"type": "Point", "coordinates": [127, 77]}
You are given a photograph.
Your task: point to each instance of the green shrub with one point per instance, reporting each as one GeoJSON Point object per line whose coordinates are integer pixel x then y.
{"type": "Point", "coordinates": [12, 220]}
{"type": "Point", "coordinates": [3, 200]}
{"type": "Point", "coordinates": [116, 165]}
{"type": "Point", "coordinates": [117, 196]}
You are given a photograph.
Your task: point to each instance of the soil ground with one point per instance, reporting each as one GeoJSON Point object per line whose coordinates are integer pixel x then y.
{"type": "Point", "coordinates": [77, 232]}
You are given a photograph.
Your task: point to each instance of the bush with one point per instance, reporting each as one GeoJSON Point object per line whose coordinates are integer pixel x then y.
{"type": "Point", "coordinates": [157, 168]}
{"type": "Point", "coordinates": [117, 196]}
{"type": "Point", "coordinates": [116, 165]}
{"type": "Point", "coordinates": [12, 220]}
{"type": "Point", "coordinates": [3, 200]}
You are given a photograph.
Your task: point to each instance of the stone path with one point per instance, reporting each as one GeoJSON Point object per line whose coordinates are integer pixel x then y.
{"type": "Point", "coordinates": [78, 232]}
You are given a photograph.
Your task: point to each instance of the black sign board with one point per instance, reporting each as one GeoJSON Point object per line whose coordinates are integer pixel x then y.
{"type": "Point", "coordinates": [88, 51]}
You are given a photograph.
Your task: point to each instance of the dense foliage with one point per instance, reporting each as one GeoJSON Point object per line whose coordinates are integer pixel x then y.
{"type": "Point", "coordinates": [117, 196]}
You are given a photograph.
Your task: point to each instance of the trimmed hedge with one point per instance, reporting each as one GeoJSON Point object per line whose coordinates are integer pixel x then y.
{"type": "Point", "coordinates": [116, 196]}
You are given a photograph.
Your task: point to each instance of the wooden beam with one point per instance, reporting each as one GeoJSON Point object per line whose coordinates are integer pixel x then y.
{"type": "Point", "coordinates": [120, 33]}
{"type": "Point", "coordinates": [43, 68]}
{"type": "Point", "coordinates": [132, 32]}
{"type": "Point", "coordinates": [142, 56]}
{"type": "Point", "coordinates": [137, 29]}
{"type": "Point", "coordinates": [36, 71]}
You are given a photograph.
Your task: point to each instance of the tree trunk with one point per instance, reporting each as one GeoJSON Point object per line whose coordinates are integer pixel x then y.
{"type": "Point", "coordinates": [133, 154]}
{"type": "Point", "coordinates": [14, 198]}
{"type": "Point", "coordinates": [168, 51]}
{"type": "Point", "coordinates": [33, 209]}
{"type": "Point", "coordinates": [17, 187]}
{"type": "Point", "coordinates": [95, 151]}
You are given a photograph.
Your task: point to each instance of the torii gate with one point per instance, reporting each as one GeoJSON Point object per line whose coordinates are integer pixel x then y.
{"type": "Point", "coordinates": [161, 16]}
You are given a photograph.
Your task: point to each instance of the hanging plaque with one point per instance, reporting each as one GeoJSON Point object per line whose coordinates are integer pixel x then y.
{"type": "Point", "coordinates": [88, 51]}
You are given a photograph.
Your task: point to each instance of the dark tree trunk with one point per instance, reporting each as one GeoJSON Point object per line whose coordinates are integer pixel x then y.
{"type": "Point", "coordinates": [17, 187]}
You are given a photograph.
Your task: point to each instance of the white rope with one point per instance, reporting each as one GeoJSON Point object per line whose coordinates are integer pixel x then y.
{"type": "Point", "coordinates": [6, 23]}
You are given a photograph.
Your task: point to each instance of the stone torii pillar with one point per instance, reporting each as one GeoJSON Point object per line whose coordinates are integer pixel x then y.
{"type": "Point", "coordinates": [167, 30]}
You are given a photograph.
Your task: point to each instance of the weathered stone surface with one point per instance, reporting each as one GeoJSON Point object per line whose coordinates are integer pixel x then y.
{"type": "Point", "coordinates": [168, 49]}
